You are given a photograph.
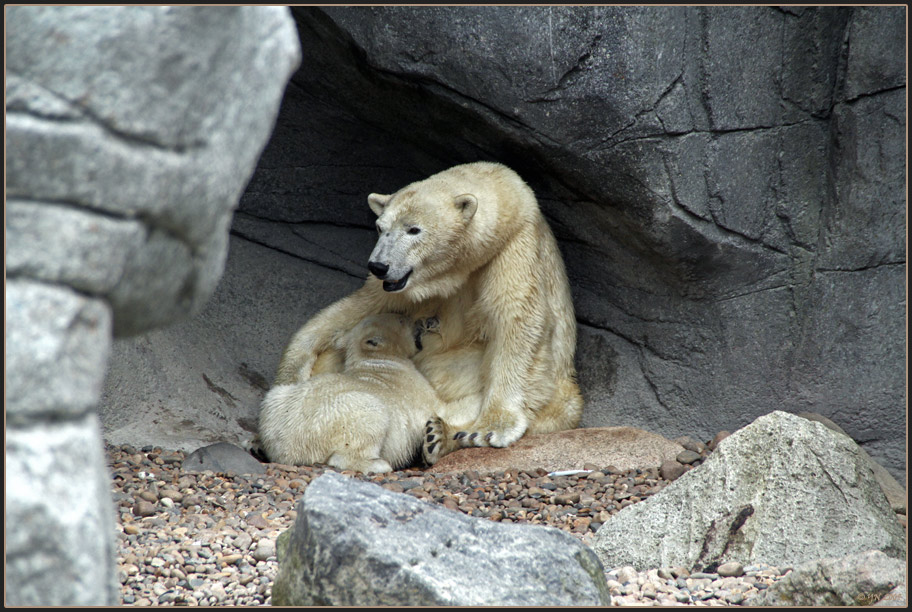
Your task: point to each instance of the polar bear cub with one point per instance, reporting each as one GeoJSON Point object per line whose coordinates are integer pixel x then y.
{"type": "Point", "coordinates": [370, 417]}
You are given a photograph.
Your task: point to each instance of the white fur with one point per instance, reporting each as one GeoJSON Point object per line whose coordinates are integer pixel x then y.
{"type": "Point", "coordinates": [485, 264]}
{"type": "Point", "coordinates": [368, 418]}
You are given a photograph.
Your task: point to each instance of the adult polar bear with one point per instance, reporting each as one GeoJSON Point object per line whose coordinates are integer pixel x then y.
{"type": "Point", "coordinates": [470, 248]}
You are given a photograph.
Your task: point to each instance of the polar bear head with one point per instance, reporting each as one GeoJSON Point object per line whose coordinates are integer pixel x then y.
{"type": "Point", "coordinates": [380, 336]}
{"type": "Point", "coordinates": [419, 231]}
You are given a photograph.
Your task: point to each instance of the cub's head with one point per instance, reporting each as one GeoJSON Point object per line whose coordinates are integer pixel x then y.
{"type": "Point", "coordinates": [382, 335]}
{"type": "Point", "coordinates": [422, 234]}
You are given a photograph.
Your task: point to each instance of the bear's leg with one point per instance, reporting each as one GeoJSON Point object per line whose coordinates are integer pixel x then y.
{"type": "Point", "coordinates": [496, 427]}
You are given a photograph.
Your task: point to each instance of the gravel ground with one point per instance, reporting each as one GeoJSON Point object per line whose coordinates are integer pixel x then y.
{"type": "Point", "coordinates": [208, 539]}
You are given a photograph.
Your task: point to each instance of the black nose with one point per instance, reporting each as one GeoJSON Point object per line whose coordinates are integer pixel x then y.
{"type": "Point", "coordinates": [378, 269]}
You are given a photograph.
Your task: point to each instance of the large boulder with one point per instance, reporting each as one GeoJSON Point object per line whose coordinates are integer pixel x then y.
{"type": "Point", "coordinates": [625, 448]}
{"type": "Point", "coordinates": [131, 133]}
{"type": "Point", "coordinates": [726, 185]}
{"type": "Point", "coordinates": [782, 491]}
{"type": "Point", "coordinates": [356, 544]}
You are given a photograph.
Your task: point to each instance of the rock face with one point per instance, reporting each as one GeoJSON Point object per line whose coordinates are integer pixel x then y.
{"type": "Point", "coordinates": [356, 544]}
{"type": "Point", "coordinates": [726, 185]}
{"type": "Point", "coordinates": [131, 133]}
{"type": "Point", "coordinates": [626, 448]}
{"type": "Point", "coordinates": [859, 579]}
{"type": "Point", "coordinates": [782, 491]}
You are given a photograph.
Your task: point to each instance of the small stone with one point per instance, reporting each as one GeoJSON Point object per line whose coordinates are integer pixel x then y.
{"type": "Point", "coordinates": [231, 559]}
{"type": "Point", "coordinates": [149, 496]}
{"type": "Point", "coordinates": [732, 568]}
{"type": "Point", "coordinates": [671, 469]}
{"type": "Point", "coordinates": [243, 541]}
{"type": "Point", "coordinates": [171, 493]}
{"type": "Point", "coordinates": [264, 550]}
{"type": "Point", "coordinates": [687, 457]}
{"type": "Point", "coordinates": [690, 444]}
{"type": "Point", "coordinates": [131, 529]}
{"type": "Point", "coordinates": [627, 574]}
{"type": "Point", "coordinates": [143, 508]}
{"type": "Point", "coordinates": [718, 438]}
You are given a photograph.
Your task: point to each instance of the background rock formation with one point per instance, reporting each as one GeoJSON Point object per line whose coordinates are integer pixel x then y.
{"type": "Point", "coordinates": [130, 135]}
{"type": "Point", "coordinates": [726, 185]}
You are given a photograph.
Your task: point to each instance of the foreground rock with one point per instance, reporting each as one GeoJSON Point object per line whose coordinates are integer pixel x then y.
{"type": "Point", "coordinates": [131, 133]}
{"type": "Point", "coordinates": [859, 579]}
{"type": "Point", "coordinates": [625, 448]}
{"type": "Point", "coordinates": [783, 490]}
{"type": "Point", "coordinates": [355, 544]}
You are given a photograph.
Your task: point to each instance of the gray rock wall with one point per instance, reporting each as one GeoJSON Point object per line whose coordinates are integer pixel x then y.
{"type": "Point", "coordinates": [726, 185]}
{"type": "Point", "coordinates": [130, 134]}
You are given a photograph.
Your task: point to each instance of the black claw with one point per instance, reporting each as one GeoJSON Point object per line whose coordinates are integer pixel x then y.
{"type": "Point", "coordinates": [459, 435]}
{"type": "Point", "coordinates": [473, 436]}
{"type": "Point", "coordinates": [430, 449]}
{"type": "Point", "coordinates": [489, 435]}
{"type": "Point", "coordinates": [430, 438]}
{"type": "Point", "coordinates": [428, 429]}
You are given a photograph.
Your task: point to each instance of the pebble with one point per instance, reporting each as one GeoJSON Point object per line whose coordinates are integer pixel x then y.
{"type": "Point", "coordinates": [213, 542]}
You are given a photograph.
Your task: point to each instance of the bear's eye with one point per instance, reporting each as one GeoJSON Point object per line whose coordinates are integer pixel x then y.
{"type": "Point", "coordinates": [414, 231]}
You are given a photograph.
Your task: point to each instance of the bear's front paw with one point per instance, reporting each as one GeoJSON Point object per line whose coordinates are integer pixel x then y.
{"type": "Point", "coordinates": [497, 439]}
{"type": "Point", "coordinates": [469, 439]}
{"type": "Point", "coordinates": [432, 448]}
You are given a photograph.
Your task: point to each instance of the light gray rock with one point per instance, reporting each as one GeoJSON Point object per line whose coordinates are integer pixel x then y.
{"type": "Point", "coordinates": [144, 141]}
{"type": "Point", "coordinates": [222, 457]}
{"type": "Point", "coordinates": [130, 134]}
{"type": "Point", "coordinates": [60, 537]}
{"type": "Point", "coordinates": [356, 544]}
{"type": "Point", "coordinates": [894, 491]}
{"type": "Point", "coordinates": [858, 579]}
{"type": "Point", "coordinates": [782, 491]}
{"type": "Point", "coordinates": [57, 346]}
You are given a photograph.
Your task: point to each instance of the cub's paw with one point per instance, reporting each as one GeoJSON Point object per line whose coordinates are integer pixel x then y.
{"type": "Point", "coordinates": [434, 434]}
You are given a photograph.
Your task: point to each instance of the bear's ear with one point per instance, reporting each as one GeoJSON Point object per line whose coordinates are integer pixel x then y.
{"type": "Point", "coordinates": [378, 202]}
{"type": "Point", "coordinates": [468, 204]}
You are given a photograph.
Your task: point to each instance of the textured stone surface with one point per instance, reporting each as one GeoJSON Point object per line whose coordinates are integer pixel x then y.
{"type": "Point", "coordinates": [140, 145]}
{"type": "Point", "coordinates": [726, 185]}
{"type": "Point", "coordinates": [57, 346]}
{"type": "Point", "coordinates": [783, 491]}
{"type": "Point", "coordinates": [356, 544]}
{"type": "Point", "coordinates": [59, 521]}
{"type": "Point", "coordinates": [130, 135]}
{"type": "Point", "coordinates": [858, 579]}
{"type": "Point", "coordinates": [222, 457]}
{"type": "Point", "coordinates": [626, 448]}
{"type": "Point", "coordinates": [895, 492]}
